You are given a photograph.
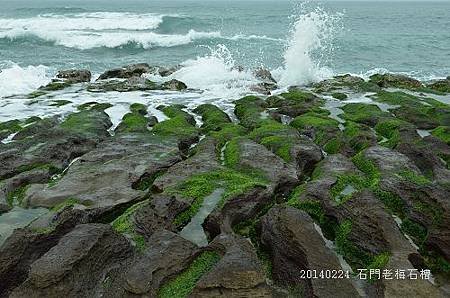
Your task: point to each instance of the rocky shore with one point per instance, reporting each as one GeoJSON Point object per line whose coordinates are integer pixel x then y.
{"type": "Point", "coordinates": [214, 204]}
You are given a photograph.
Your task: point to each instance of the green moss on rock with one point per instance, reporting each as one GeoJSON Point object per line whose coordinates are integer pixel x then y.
{"type": "Point", "coordinates": [228, 132]}
{"type": "Point", "coordinates": [177, 127]}
{"type": "Point", "coordinates": [124, 225]}
{"type": "Point", "coordinates": [213, 118]}
{"type": "Point", "coordinates": [363, 113]}
{"type": "Point", "coordinates": [182, 285]}
{"type": "Point", "coordinates": [443, 133]}
{"type": "Point", "coordinates": [198, 187]}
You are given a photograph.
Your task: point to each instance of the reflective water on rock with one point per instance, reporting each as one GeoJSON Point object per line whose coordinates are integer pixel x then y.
{"type": "Point", "coordinates": [194, 230]}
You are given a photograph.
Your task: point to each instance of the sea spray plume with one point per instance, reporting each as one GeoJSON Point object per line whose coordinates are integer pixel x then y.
{"type": "Point", "coordinates": [310, 47]}
{"type": "Point", "coordinates": [216, 72]}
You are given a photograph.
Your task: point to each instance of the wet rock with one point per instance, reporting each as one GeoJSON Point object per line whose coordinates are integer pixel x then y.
{"type": "Point", "coordinates": [345, 82]}
{"type": "Point", "coordinates": [395, 80]}
{"type": "Point", "coordinates": [264, 75]}
{"type": "Point", "coordinates": [441, 85]}
{"type": "Point", "coordinates": [110, 174]}
{"type": "Point", "coordinates": [294, 244]}
{"type": "Point", "coordinates": [251, 111]}
{"type": "Point", "coordinates": [174, 85]}
{"type": "Point", "coordinates": [76, 265]}
{"type": "Point", "coordinates": [75, 75]}
{"type": "Point", "coordinates": [126, 72]}
{"type": "Point", "coordinates": [134, 83]}
{"type": "Point", "coordinates": [168, 256]}
{"type": "Point", "coordinates": [213, 118]}
{"type": "Point", "coordinates": [238, 274]}
{"type": "Point", "coordinates": [263, 88]}
{"type": "Point", "coordinates": [55, 147]}
{"type": "Point", "coordinates": [295, 102]}
{"type": "Point", "coordinates": [167, 71]}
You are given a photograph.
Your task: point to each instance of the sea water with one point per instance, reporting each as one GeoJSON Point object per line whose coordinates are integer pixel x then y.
{"type": "Point", "coordinates": [300, 42]}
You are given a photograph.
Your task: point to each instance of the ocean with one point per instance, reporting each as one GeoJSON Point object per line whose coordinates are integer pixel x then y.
{"type": "Point", "coordinates": [300, 42]}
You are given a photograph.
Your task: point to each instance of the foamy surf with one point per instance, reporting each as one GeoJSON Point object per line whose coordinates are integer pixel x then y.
{"type": "Point", "coordinates": [18, 80]}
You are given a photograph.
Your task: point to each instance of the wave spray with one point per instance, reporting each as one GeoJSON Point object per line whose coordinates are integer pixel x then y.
{"type": "Point", "coordinates": [309, 48]}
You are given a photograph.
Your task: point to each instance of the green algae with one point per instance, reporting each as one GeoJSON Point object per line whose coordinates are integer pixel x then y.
{"type": "Point", "coordinates": [196, 188]}
{"type": "Point", "coordinates": [183, 284]}
{"type": "Point", "coordinates": [213, 118]}
{"type": "Point", "coordinates": [124, 225]}
{"type": "Point", "coordinates": [443, 133]}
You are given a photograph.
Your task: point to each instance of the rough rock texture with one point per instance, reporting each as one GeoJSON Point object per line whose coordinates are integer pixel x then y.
{"type": "Point", "coordinates": [109, 175]}
{"type": "Point", "coordinates": [294, 244]}
{"type": "Point", "coordinates": [126, 72]}
{"type": "Point", "coordinates": [169, 255]}
{"type": "Point", "coordinates": [76, 266]}
{"type": "Point", "coordinates": [75, 75]}
{"type": "Point", "coordinates": [239, 273]}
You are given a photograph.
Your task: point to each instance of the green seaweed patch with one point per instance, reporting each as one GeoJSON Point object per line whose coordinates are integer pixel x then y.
{"type": "Point", "coordinates": [363, 113]}
{"type": "Point", "coordinates": [138, 108]}
{"type": "Point", "coordinates": [414, 177]}
{"type": "Point", "coordinates": [298, 95]}
{"type": "Point", "coordinates": [176, 111]}
{"type": "Point", "coordinates": [133, 122]}
{"type": "Point", "coordinates": [343, 181]}
{"type": "Point", "coordinates": [392, 201]}
{"type": "Point", "coordinates": [389, 129]}
{"type": "Point", "coordinates": [86, 122]}
{"type": "Point", "coordinates": [71, 202]}
{"type": "Point", "coordinates": [325, 128]}
{"type": "Point", "coordinates": [184, 284]}
{"type": "Point", "coordinates": [355, 256]}
{"type": "Point", "coordinates": [228, 132]}
{"type": "Point", "coordinates": [368, 167]}
{"type": "Point", "coordinates": [94, 106]}
{"type": "Point", "coordinates": [232, 153]}
{"type": "Point", "coordinates": [249, 111]}
{"type": "Point", "coordinates": [339, 95]}
{"type": "Point", "coordinates": [198, 187]}
{"type": "Point", "coordinates": [416, 231]}
{"type": "Point", "coordinates": [280, 145]}
{"type": "Point", "coordinates": [55, 86]}
{"type": "Point", "coordinates": [124, 225]}
{"type": "Point", "coordinates": [333, 146]}
{"type": "Point", "coordinates": [443, 133]}
{"type": "Point", "coordinates": [213, 118]}
{"type": "Point", "coordinates": [177, 126]}
{"type": "Point", "coordinates": [9, 127]}
{"type": "Point", "coordinates": [16, 197]}
{"type": "Point", "coordinates": [358, 136]}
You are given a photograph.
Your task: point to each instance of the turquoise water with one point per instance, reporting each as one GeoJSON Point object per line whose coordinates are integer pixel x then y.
{"type": "Point", "coordinates": [38, 37]}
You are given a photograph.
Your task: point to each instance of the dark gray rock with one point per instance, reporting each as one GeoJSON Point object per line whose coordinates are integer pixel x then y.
{"type": "Point", "coordinates": [75, 75]}
{"type": "Point", "coordinates": [239, 273]}
{"type": "Point", "coordinates": [294, 245]}
{"type": "Point", "coordinates": [77, 265]}
{"type": "Point", "coordinates": [126, 72]}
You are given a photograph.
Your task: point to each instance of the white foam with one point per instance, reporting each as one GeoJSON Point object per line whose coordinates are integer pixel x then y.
{"type": "Point", "coordinates": [18, 80]}
{"type": "Point", "coordinates": [309, 48]}
{"type": "Point", "coordinates": [84, 21]}
{"type": "Point", "coordinates": [216, 73]}
{"type": "Point", "coordinates": [102, 29]}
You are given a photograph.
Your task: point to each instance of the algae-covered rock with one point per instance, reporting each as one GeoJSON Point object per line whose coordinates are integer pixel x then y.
{"type": "Point", "coordinates": [395, 80]}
